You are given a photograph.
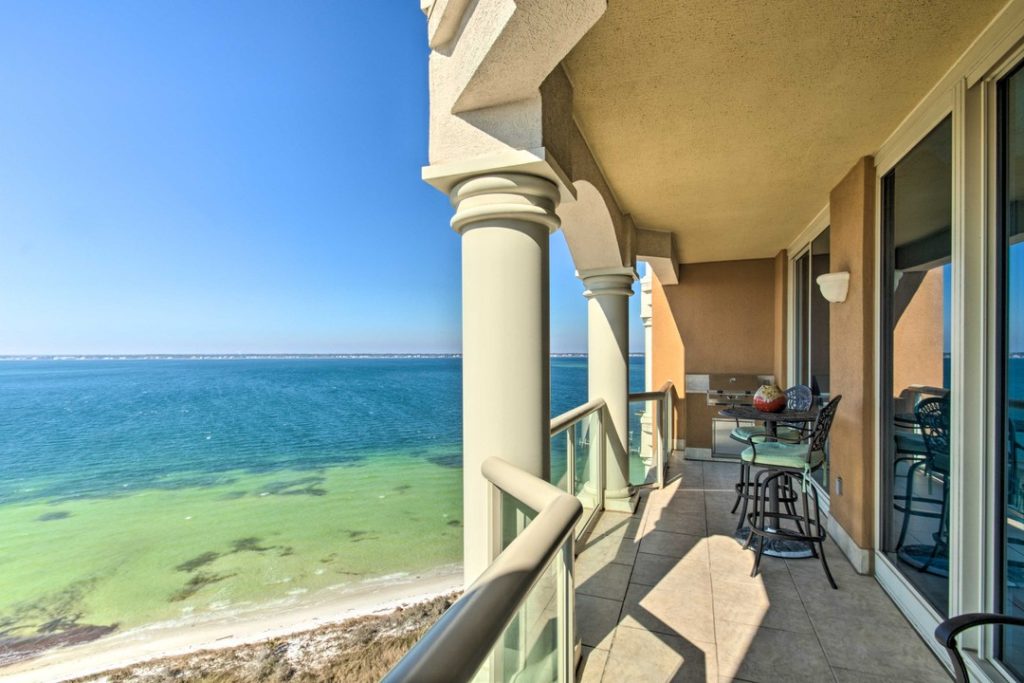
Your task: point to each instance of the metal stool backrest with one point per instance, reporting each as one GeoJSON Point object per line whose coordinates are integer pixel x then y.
{"type": "Point", "coordinates": [823, 425]}
{"type": "Point", "coordinates": [933, 416]}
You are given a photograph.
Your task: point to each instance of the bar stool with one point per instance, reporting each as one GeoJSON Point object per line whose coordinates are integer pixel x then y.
{"type": "Point", "coordinates": [798, 397]}
{"type": "Point", "coordinates": [787, 465]}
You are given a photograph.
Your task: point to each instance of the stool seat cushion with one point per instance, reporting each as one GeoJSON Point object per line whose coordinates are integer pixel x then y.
{"type": "Point", "coordinates": [776, 454]}
{"type": "Point", "coordinates": [745, 434]}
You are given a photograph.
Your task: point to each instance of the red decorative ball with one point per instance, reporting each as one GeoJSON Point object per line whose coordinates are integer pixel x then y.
{"type": "Point", "coordinates": [770, 399]}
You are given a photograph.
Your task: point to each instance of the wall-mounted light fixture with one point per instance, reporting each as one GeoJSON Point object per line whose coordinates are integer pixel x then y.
{"type": "Point", "coordinates": [834, 286]}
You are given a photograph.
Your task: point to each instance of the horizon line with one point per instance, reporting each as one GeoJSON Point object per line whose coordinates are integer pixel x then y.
{"type": "Point", "coordinates": [250, 356]}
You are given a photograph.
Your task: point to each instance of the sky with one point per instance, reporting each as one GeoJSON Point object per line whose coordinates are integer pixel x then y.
{"type": "Point", "coordinates": [226, 177]}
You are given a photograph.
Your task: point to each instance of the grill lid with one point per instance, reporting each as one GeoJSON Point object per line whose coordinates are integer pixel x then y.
{"type": "Point", "coordinates": [733, 384]}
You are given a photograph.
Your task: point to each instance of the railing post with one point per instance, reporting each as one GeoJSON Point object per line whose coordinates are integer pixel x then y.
{"type": "Point", "coordinates": [661, 443]}
{"type": "Point", "coordinates": [567, 614]}
{"type": "Point", "coordinates": [666, 451]}
{"type": "Point", "coordinates": [602, 460]}
{"type": "Point", "coordinates": [570, 465]}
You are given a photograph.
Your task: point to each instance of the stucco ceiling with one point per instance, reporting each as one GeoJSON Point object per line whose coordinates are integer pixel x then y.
{"type": "Point", "coordinates": [729, 121]}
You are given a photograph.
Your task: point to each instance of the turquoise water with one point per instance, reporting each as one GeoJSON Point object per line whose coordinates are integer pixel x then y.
{"type": "Point", "coordinates": [139, 491]}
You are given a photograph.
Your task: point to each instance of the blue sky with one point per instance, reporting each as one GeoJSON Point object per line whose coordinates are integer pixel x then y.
{"type": "Point", "coordinates": [227, 177]}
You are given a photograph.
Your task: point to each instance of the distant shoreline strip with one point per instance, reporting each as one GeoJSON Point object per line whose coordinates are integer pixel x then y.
{"type": "Point", "coordinates": [262, 356]}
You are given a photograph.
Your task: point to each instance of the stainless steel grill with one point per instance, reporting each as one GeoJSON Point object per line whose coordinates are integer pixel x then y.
{"type": "Point", "coordinates": [732, 390]}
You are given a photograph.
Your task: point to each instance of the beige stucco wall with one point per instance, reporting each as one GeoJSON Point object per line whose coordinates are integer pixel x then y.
{"type": "Point", "coordinates": [721, 317]}
{"type": "Point", "coordinates": [668, 354]}
{"type": "Point", "coordinates": [917, 339]}
{"type": "Point", "coordinates": [852, 446]}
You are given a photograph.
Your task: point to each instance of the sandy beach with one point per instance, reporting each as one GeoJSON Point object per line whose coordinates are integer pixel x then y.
{"type": "Point", "coordinates": [233, 628]}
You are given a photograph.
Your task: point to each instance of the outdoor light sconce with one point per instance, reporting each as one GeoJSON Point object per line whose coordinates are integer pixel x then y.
{"type": "Point", "coordinates": [834, 286]}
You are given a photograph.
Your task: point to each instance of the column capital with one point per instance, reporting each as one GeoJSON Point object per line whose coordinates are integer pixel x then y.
{"type": "Point", "coordinates": [607, 281]}
{"type": "Point", "coordinates": [504, 197]}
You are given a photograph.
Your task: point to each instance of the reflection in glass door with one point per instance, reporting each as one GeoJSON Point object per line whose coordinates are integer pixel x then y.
{"type": "Point", "coordinates": [812, 328]}
{"type": "Point", "coordinates": [915, 405]}
{"type": "Point", "coordinates": [1010, 579]}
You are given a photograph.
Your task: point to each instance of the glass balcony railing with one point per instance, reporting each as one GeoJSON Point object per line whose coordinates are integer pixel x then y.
{"type": "Point", "coordinates": [517, 621]}
{"type": "Point", "coordinates": [577, 457]}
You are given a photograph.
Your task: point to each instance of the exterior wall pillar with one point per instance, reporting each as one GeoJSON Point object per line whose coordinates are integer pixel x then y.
{"type": "Point", "coordinates": [608, 291]}
{"type": "Point", "coordinates": [647, 319]}
{"type": "Point", "coordinates": [852, 445]}
{"type": "Point", "coordinates": [505, 221]}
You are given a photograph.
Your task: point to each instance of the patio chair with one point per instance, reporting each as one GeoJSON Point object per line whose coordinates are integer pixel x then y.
{"type": "Point", "coordinates": [798, 397]}
{"type": "Point", "coordinates": [947, 631]}
{"type": "Point", "coordinates": [932, 415]}
{"type": "Point", "coordinates": [786, 465]}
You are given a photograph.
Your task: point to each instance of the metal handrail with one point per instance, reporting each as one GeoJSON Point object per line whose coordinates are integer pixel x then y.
{"type": "Point", "coordinates": [579, 412]}
{"type": "Point", "coordinates": [652, 395]}
{"type": "Point", "coordinates": [458, 644]}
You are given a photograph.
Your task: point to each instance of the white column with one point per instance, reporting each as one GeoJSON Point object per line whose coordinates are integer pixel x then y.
{"type": "Point", "coordinates": [647, 318]}
{"type": "Point", "coordinates": [505, 221]}
{"type": "Point", "coordinates": [608, 291]}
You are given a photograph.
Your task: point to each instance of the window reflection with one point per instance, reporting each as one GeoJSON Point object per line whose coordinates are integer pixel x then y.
{"type": "Point", "coordinates": [1010, 582]}
{"type": "Point", "coordinates": [917, 212]}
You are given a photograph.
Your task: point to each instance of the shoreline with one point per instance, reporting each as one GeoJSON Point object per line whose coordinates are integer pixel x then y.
{"type": "Point", "coordinates": [242, 627]}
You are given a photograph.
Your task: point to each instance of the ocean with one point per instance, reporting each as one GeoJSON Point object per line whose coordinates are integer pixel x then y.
{"type": "Point", "coordinates": [142, 491]}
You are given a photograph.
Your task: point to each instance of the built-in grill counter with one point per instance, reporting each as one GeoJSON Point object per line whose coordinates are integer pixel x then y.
{"type": "Point", "coordinates": [707, 434]}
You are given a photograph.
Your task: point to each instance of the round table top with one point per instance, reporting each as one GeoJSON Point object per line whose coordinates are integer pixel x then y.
{"type": "Point", "coordinates": [752, 413]}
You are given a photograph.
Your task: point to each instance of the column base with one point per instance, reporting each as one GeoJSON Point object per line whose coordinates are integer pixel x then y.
{"type": "Point", "coordinates": [621, 501]}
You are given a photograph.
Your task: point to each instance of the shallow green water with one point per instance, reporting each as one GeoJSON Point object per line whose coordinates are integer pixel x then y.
{"type": "Point", "coordinates": [136, 492]}
{"type": "Point", "coordinates": [163, 554]}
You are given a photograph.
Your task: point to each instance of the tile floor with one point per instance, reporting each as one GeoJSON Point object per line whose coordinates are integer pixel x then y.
{"type": "Point", "coordinates": [666, 595]}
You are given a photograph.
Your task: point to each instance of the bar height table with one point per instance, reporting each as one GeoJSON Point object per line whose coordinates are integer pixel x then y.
{"type": "Point", "coordinates": [775, 547]}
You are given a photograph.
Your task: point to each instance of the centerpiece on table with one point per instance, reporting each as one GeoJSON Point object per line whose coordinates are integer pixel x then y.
{"type": "Point", "coordinates": [770, 399]}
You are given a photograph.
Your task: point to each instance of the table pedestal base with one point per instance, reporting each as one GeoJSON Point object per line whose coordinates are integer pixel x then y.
{"type": "Point", "coordinates": [778, 547]}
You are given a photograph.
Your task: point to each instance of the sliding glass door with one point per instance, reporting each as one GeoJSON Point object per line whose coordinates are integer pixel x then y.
{"type": "Point", "coordinates": [1010, 466]}
{"type": "Point", "coordinates": [812, 326]}
{"type": "Point", "coordinates": [915, 330]}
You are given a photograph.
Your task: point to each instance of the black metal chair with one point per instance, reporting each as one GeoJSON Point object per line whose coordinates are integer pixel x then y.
{"type": "Point", "coordinates": [798, 397]}
{"type": "Point", "coordinates": [948, 630]}
{"type": "Point", "coordinates": [786, 465]}
{"type": "Point", "coordinates": [933, 418]}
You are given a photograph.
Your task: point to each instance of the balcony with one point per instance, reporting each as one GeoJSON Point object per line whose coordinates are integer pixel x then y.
{"type": "Point", "coordinates": [666, 594]}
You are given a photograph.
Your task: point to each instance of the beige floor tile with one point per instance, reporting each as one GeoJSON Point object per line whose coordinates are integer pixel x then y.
{"type": "Point", "coordinates": [721, 476]}
{"type": "Point", "coordinates": [767, 655]}
{"type": "Point", "coordinates": [683, 501]}
{"type": "Point", "coordinates": [666, 609]}
{"type": "Point", "coordinates": [755, 602]}
{"type": "Point", "coordinates": [653, 570]}
{"type": "Point", "coordinates": [662, 605]}
{"type": "Point", "coordinates": [680, 523]}
{"type": "Point", "coordinates": [591, 667]}
{"type": "Point", "coordinates": [671, 544]}
{"type": "Point", "coordinates": [847, 676]}
{"type": "Point", "coordinates": [616, 524]}
{"type": "Point", "coordinates": [882, 649]}
{"type": "Point", "coordinates": [596, 619]}
{"type": "Point", "coordinates": [639, 655]}
{"type": "Point", "coordinates": [609, 580]}
{"type": "Point", "coordinates": [604, 549]}
{"type": "Point", "coordinates": [729, 559]}
{"type": "Point", "coordinates": [859, 598]}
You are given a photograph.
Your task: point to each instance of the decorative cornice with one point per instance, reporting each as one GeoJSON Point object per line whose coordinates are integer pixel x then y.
{"type": "Point", "coordinates": [607, 281]}
{"type": "Point", "coordinates": [505, 196]}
